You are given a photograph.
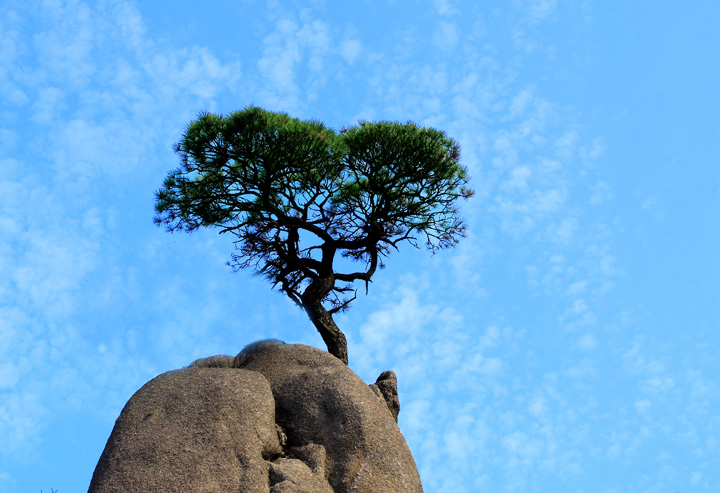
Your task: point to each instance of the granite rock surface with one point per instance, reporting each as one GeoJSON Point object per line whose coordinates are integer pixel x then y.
{"type": "Point", "coordinates": [276, 418]}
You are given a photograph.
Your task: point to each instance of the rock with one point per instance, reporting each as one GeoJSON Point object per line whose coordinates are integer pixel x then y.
{"type": "Point", "coordinates": [197, 429]}
{"type": "Point", "coordinates": [320, 401]}
{"type": "Point", "coordinates": [386, 388]}
{"type": "Point", "coordinates": [217, 361]}
{"type": "Point", "coordinates": [284, 419]}
{"type": "Point", "coordinates": [313, 455]}
{"type": "Point", "coordinates": [294, 476]}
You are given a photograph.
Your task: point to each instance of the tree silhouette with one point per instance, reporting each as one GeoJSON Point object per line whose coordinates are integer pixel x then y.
{"type": "Point", "coordinates": [298, 196]}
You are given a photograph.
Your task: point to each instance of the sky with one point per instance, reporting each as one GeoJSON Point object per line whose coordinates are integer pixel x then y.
{"type": "Point", "coordinates": [569, 343]}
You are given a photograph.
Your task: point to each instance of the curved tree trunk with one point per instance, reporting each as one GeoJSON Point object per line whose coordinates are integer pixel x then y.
{"type": "Point", "coordinates": [323, 321]}
{"type": "Point", "coordinates": [331, 334]}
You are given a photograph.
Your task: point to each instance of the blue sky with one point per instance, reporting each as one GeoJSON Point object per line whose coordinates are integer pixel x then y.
{"type": "Point", "coordinates": [569, 343]}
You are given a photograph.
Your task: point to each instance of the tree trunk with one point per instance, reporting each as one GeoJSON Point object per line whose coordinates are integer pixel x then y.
{"type": "Point", "coordinates": [323, 321]}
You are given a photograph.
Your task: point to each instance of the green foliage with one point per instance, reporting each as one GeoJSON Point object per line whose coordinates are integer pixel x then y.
{"type": "Point", "coordinates": [295, 193]}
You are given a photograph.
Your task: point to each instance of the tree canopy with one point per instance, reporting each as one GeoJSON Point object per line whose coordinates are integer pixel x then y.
{"type": "Point", "coordinates": [297, 195]}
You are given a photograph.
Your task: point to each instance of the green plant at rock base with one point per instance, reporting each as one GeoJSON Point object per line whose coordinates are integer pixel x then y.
{"type": "Point", "coordinates": [298, 195]}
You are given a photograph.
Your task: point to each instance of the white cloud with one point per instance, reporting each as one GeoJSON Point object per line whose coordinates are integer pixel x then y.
{"type": "Point", "coordinates": [649, 203]}
{"type": "Point", "coordinates": [594, 151]}
{"type": "Point", "coordinates": [657, 384]}
{"type": "Point", "coordinates": [587, 342]}
{"type": "Point", "coordinates": [532, 14]}
{"type": "Point", "coordinates": [565, 231]}
{"type": "Point", "coordinates": [521, 449]}
{"type": "Point", "coordinates": [446, 36]}
{"type": "Point", "coordinates": [506, 149]}
{"type": "Point", "coordinates": [48, 104]}
{"type": "Point", "coordinates": [567, 145]}
{"type": "Point", "coordinates": [696, 478]}
{"type": "Point", "coordinates": [459, 441]}
{"type": "Point", "coordinates": [551, 200]}
{"type": "Point", "coordinates": [315, 36]}
{"type": "Point", "coordinates": [193, 71]}
{"type": "Point", "coordinates": [577, 288]}
{"type": "Point", "coordinates": [66, 50]}
{"type": "Point", "coordinates": [292, 45]}
{"type": "Point", "coordinates": [539, 10]}
{"type": "Point", "coordinates": [643, 406]}
{"type": "Point", "coordinates": [9, 375]}
{"type": "Point", "coordinates": [445, 7]}
{"type": "Point", "coordinates": [520, 104]}
{"type": "Point", "coordinates": [602, 193]}
{"type": "Point", "coordinates": [537, 406]}
{"type": "Point", "coordinates": [578, 315]}
{"type": "Point", "coordinates": [491, 337]}
{"type": "Point", "coordinates": [350, 49]}
{"type": "Point", "coordinates": [100, 93]}
{"type": "Point", "coordinates": [132, 26]}
{"type": "Point", "coordinates": [21, 415]}
{"type": "Point", "coordinates": [11, 71]}
{"type": "Point", "coordinates": [520, 177]}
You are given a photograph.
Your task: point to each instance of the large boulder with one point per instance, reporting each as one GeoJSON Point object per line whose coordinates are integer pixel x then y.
{"type": "Point", "coordinates": [320, 401]}
{"type": "Point", "coordinates": [286, 418]}
{"type": "Point", "coordinates": [198, 429]}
